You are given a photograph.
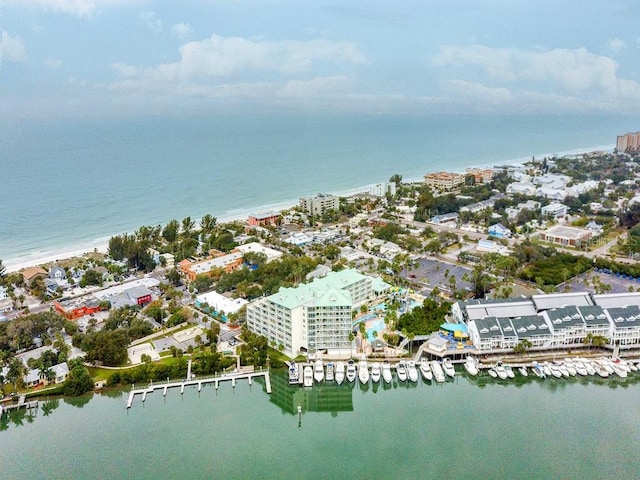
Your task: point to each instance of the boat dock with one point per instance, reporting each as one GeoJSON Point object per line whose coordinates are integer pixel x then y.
{"type": "Point", "coordinates": [22, 403]}
{"type": "Point", "coordinates": [199, 382]}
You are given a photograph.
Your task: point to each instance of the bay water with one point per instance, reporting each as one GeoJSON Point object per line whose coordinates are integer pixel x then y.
{"type": "Point", "coordinates": [73, 183]}
{"type": "Point", "coordinates": [474, 428]}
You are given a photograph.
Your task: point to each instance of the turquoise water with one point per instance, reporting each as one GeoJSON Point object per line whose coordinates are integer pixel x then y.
{"type": "Point", "coordinates": [67, 183]}
{"type": "Point", "coordinates": [467, 428]}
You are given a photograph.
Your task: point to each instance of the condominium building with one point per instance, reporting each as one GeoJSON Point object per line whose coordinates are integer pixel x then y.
{"type": "Point", "coordinates": [552, 321]}
{"type": "Point", "coordinates": [443, 180]}
{"type": "Point", "coordinates": [314, 316]}
{"type": "Point", "coordinates": [319, 204]}
{"type": "Point", "coordinates": [481, 175]}
{"type": "Point", "coordinates": [629, 142]}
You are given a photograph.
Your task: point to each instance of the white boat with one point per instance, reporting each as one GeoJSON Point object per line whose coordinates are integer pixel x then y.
{"type": "Point", "coordinates": [501, 371]}
{"type": "Point", "coordinates": [352, 373]}
{"type": "Point", "coordinates": [412, 371]}
{"type": "Point", "coordinates": [537, 370]}
{"type": "Point", "coordinates": [492, 372]}
{"type": "Point", "coordinates": [363, 372]}
{"type": "Point", "coordinates": [294, 374]}
{"type": "Point", "coordinates": [523, 371]}
{"type": "Point", "coordinates": [339, 374]}
{"type": "Point", "coordinates": [471, 366]}
{"type": "Point", "coordinates": [447, 366]}
{"type": "Point", "coordinates": [509, 370]}
{"type": "Point", "coordinates": [318, 371]}
{"type": "Point", "coordinates": [571, 367]}
{"type": "Point", "coordinates": [425, 370]}
{"type": "Point", "coordinates": [307, 376]}
{"type": "Point", "coordinates": [588, 366]}
{"type": "Point", "coordinates": [376, 372]}
{"type": "Point", "coordinates": [618, 370]}
{"type": "Point", "coordinates": [546, 369]}
{"type": "Point", "coordinates": [401, 371]}
{"type": "Point", "coordinates": [330, 375]}
{"type": "Point", "coordinates": [386, 372]}
{"type": "Point", "coordinates": [555, 370]}
{"type": "Point", "coordinates": [600, 370]}
{"type": "Point", "coordinates": [438, 373]}
{"type": "Point", "coordinates": [580, 368]}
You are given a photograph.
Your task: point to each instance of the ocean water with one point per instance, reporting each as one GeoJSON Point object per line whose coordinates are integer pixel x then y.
{"type": "Point", "coordinates": [69, 184]}
{"type": "Point", "coordinates": [468, 428]}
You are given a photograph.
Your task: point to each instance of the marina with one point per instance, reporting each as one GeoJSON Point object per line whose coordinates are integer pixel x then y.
{"type": "Point", "coordinates": [199, 382]}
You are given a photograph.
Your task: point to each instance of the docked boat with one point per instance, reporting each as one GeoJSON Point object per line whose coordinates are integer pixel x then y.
{"type": "Point", "coordinates": [537, 370]}
{"type": "Point", "coordinates": [571, 367]}
{"type": "Point", "coordinates": [352, 373]}
{"type": "Point", "coordinates": [492, 372]}
{"type": "Point", "coordinates": [523, 371]}
{"type": "Point", "coordinates": [509, 370]}
{"type": "Point", "coordinates": [401, 371]}
{"type": "Point", "coordinates": [412, 371]}
{"type": "Point", "coordinates": [438, 373]}
{"type": "Point", "coordinates": [425, 371]}
{"type": "Point", "coordinates": [339, 373]}
{"type": "Point", "coordinates": [318, 371]}
{"type": "Point", "coordinates": [307, 376]}
{"type": "Point", "coordinates": [363, 372]}
{"type": "Point", "coordinates": [294, 374]}
{"type": "Point", "coordinates": [447, 366]}
{"type": "Point", "coordinates": [588, 366]}
{"type": "Point", "coordinates": [471, 366]}
{"type": "Point", "coordinates": [330, 375]}
{"type": "Point", "coordinates": [546, 369]}
{"type": "Point", "coordinates": [555, 370]}
{"type": "Point", "coordinates": [501, 371]}
{"type": "Point", "coordinates": [563, 369]}
{"type": "Point", "coordinates": [600, 370]}
{"type": "Point", "coordinates": [376, 372]}
{"type": "Point", "coordinates": [386, 372]}
{"type": "Point", "coordinates": [618, 370]}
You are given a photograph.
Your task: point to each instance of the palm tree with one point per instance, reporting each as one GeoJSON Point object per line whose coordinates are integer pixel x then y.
{"type": "Point", "coordinates": [208, 223]}
{"type": "Point", "coordinates": [351, 339]}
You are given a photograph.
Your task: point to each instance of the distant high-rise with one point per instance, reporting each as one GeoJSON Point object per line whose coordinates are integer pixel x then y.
{"type": "Point", "coordinates": [319, 204]}
{"type": "Point", "coordinates": [629, 142]}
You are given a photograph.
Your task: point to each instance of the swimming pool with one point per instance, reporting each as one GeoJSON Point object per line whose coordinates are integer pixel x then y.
{"type": "Point", "coordinates": [377, 326]}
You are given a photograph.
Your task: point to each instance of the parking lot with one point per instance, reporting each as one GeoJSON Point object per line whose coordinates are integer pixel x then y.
{"type": "Point", "coordinates": [431, 273]}
{"type": "Point", "coordinates": [585, 283]}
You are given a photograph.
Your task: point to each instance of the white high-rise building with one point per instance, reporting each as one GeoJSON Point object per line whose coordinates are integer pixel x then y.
{"type": "Point", "coordinates": [313, 316]}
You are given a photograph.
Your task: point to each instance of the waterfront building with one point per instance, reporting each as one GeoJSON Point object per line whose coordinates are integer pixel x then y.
{"type": "Point", "coordinates": [552, 321]}
{"type": "Point", "coordinates": [313, 316]}
{"type": "Point", "coordinates": [264, 219]}
{"type": "Point", "coordinates": [383, 189]}
{"type": "Point", "coordinates": [31, 273]}
{"type": "Point", "coordinates": [443, 180]}
{"type": "Point", "coordinates": [319, 204]}
{"type": "Point", "coordinates": [629, 142]}
{"type": "Point", "coordinates": [481, 175]}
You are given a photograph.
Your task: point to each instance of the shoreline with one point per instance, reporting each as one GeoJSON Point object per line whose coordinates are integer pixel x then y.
{"type": "Point", "coordinates": [100, 244]}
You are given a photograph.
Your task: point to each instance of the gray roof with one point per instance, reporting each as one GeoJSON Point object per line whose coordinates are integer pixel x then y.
{"type": "Point", "coordinates": [506, 327]}
{"type": "Point", "coordinates": [625, 317]}
{"type": "Point", "coordinates": [565, 317]}
{"type": "Point", "coordinates": [556, 300]}
{"type": "Point", "coordinates": [593, 316]}
{"type": "Point", "coordinates": [613, 300]}
{"type": "Point", "coordinates": [501, 308]}
{"type": "Point", "coordinates": [530, 326]}
{"type": "Point", "coordinates": [488, 327]}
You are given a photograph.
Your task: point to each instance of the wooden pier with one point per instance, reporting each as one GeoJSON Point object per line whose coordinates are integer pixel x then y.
{"type": "Point", "coordinates": [199, 382]}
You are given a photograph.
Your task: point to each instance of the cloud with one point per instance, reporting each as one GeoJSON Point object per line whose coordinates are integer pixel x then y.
{"type": "Point", "coordinates": [154, 23]}
{"type": "Point", "coordinates": [616, 45]}
{"type": "Point", "coordinates": [570, 71]}
{"type": "Point", "coordinates": [12, 49]}
{"type": "Point", "coordinates": [79, 8]}
{"type": "Point", "coordinates": [52, 63]}
{"type": "Point", "coordinates": [124, 70]}
{"type": "Point", "coordinates": [219, 56]}
{"type": "Point", "coordinates": [181, 30]}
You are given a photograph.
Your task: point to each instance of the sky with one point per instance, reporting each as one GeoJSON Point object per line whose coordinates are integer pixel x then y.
{"type": "Point", "coordinates": [130, 57]}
